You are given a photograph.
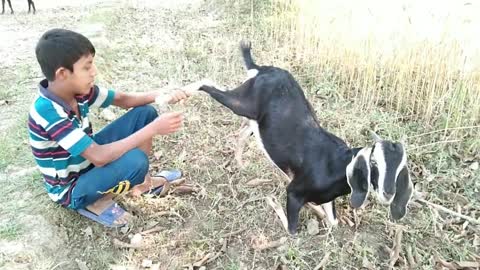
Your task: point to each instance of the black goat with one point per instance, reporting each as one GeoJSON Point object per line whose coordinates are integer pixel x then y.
{"type": "Point", "coordinates": [321, 166]}
{"type": "Point", "coordinates": [30, 5]}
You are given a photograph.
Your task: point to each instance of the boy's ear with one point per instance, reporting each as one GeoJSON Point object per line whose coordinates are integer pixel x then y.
{"type": "Point", "coordinates": [62, 73]}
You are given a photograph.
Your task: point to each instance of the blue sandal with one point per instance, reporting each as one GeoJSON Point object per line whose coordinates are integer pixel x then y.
{"type": "Point", "coordinates": [107, 217]}
{"type": "Point", "coordinates": [170, 175]}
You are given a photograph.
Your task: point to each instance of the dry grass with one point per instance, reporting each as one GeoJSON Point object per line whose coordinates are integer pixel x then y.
{"type": "Point", "coordinates": [418, 59]}
{"type": "Point", "coordinates": [226, 220]}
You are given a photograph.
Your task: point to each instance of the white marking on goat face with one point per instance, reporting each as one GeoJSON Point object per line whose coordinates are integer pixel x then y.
{"type": "Point", "coordinates": [387, 161]}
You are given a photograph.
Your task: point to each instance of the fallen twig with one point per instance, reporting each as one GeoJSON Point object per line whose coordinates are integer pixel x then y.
{"type": "Point", "coordinates": [210, 257]}
{"type": "Point", "coordinates": [182, 189]}
{"type": "Point", "coordinates": [168, 213]}
{"type": "Point", "coordinates": [347, 221]}
{"type": "Point", "coordinates": [455, 265]}
{"type": "Point", "coordinates": [434, 143]}
{"type": "Point", "coordinates": [220, 252]}
{"type": "Point", "coordinates": [152, 230]}
{"type": "Point", "coordinates": [411, 261]}
{"type": "Point", "coordinates": [397, 247]}
{"type": "Point", "coordinates": [121, 244]}
{"type": "Point", "coordinates": [203, 260]}
{"type": "Point", "coordinates": [446, 210]}
{"type": "Point", "coordinates": [317, 210]}
{"type": "Point", "coordinates": [244, 133]}
{"type": "Point", "coordinates": [230, 234]}
{"type": "Point", "coordinates": [279, 210]}
{"type": "Point", "coordinates": [249, 201]}
{"type": "Point", "coordinates": [257, 182]}
{"type": "Point", "coordinates": [272, 244]}
{"type": "Point", "coordinates": [323, 262]}
{"type": "Point", "coordinates": [390, 251]}
{"type": "Point", "coordinates": [442, 130]}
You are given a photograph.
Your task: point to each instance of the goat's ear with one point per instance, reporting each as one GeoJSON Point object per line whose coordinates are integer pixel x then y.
{"type": "Point", "coordinates": [375, 137]}
{"type": "Point", "coordinates": [403, 194]}
{"type": "Point", "coordinates": [358, 177]}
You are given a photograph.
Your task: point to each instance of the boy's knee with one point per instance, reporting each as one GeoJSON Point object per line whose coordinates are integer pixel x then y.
{"type": "Point", "coordinates": [149, 111]}
{"type": "Point", "coordinates": [137, 159]}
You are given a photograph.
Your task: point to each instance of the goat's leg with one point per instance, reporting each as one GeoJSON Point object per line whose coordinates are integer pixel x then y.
{"type": "Point", "coordinates": [294, 204]}
{"type": "Point", "coordinates": [237, 100]}
{"type": "Point", "coordinates": [10, 5]}
{"type": "Point", "coordinates": [330, 212]}
{"type": "Point", "coordinates": [30, 3]}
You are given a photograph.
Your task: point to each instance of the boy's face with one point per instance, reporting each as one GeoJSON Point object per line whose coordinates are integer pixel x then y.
{"type": "Point", "coordinates": [82, 78]}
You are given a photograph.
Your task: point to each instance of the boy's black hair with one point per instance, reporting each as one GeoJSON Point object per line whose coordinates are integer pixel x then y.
{"type": "Point", "coordinates": [61, 48]}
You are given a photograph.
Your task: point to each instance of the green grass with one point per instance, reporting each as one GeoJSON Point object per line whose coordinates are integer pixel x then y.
{"type": "Point", "coordinates": [9, 231]}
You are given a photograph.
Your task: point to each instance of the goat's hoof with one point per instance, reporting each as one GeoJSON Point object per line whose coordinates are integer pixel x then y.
{"type": "Point", "coordinates": [333, 223]}
{"type": "Point", "coordinates": [292, 231]}
{"type": "Point", "coordinates": [245, 44]}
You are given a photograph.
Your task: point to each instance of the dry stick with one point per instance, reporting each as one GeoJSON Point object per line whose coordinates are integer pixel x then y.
{"type": "Point", "coordinates": [397, 247]}
{"type": "Point", "coordinates": [230, 234]}
{"type": "Point", "coordinates": [243, 136]}
{"type": "Point", "coordinates": [219, 253]}
{"type": "Point", "coordinates": [272, 244]}
{"type": "Point", "coordinates": [208, 258]}
{"type": "Point", "coordinates": [434, 143]}
{"type": "Point", "coordinates": [257, 182]}
{"type": "Point", "coordinates": [121, 244]}
{"type": "Point", "coordinates": [162, 213]}
{"type": "Point", "coordinates": [203, 260]}
{"type": "Point", "coordinates": [446, 210]}
{"type": "Point", "coordinates": [455, 265]}
{"type": "Point", "coordinates": [279, 210]}
{"type": "Point", "coordinates": [441, 130]}
{"type": "Point", "coordinates": [323, 262]}
{"type": "Point", "coordinates": [411, 261]}
{"type": "Point", "coordinates": [317, 210]}
{"type": "Point", "coordinates": [390, 251]}
{"type": "Point", "coordinates": [183, 189]}
{"type": "Point", "coordinates": [153, 230]}
{"type": "Point", "coordinates": [249, 201]}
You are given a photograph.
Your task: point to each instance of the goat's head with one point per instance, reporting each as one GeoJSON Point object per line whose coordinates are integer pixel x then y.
{"type": "Point", "coordinates": [384, 167]}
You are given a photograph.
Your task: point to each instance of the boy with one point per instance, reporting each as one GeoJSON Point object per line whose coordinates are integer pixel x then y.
{"type": "Point", "coordinates": [82, 170]}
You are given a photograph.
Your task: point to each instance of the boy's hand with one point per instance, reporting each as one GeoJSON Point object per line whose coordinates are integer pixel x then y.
{"type": "Point", "coordinates": [177, 96]}
{"type": "Point", "coordinates": [168, 123]}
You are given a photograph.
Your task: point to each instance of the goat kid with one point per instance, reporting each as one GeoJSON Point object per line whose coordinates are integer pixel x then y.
{"type": "Point", "coordinates": [30, 5]}
{"type": "Point", "coordinates": [321, 165]}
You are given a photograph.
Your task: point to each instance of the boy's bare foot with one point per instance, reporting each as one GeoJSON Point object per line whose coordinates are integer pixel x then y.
{"type": "Point", "coordinates": [103, 203]}
{"type": "Point", "coordinates": [150, 183]}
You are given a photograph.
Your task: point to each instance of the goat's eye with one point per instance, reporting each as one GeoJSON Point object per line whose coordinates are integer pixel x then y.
{"type": "Point", "coordinates": [373, 162]}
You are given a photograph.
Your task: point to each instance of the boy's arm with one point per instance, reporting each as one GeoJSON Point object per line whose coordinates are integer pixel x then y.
{"type": "Point", "coordinates": [101, 155]}
{"type": "Point", "coordinates": [130, 100]}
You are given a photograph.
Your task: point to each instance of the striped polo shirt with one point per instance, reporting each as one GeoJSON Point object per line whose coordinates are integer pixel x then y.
{"type": "Point", "coordinates": [58, 137]}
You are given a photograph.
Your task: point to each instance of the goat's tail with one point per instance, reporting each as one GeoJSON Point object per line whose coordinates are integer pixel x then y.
{"type": "Point", "coordinates": [245, 47]}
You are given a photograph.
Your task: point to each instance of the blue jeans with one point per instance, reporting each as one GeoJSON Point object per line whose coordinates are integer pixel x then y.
{"type": "Point", "coordinates": [121, 174]}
